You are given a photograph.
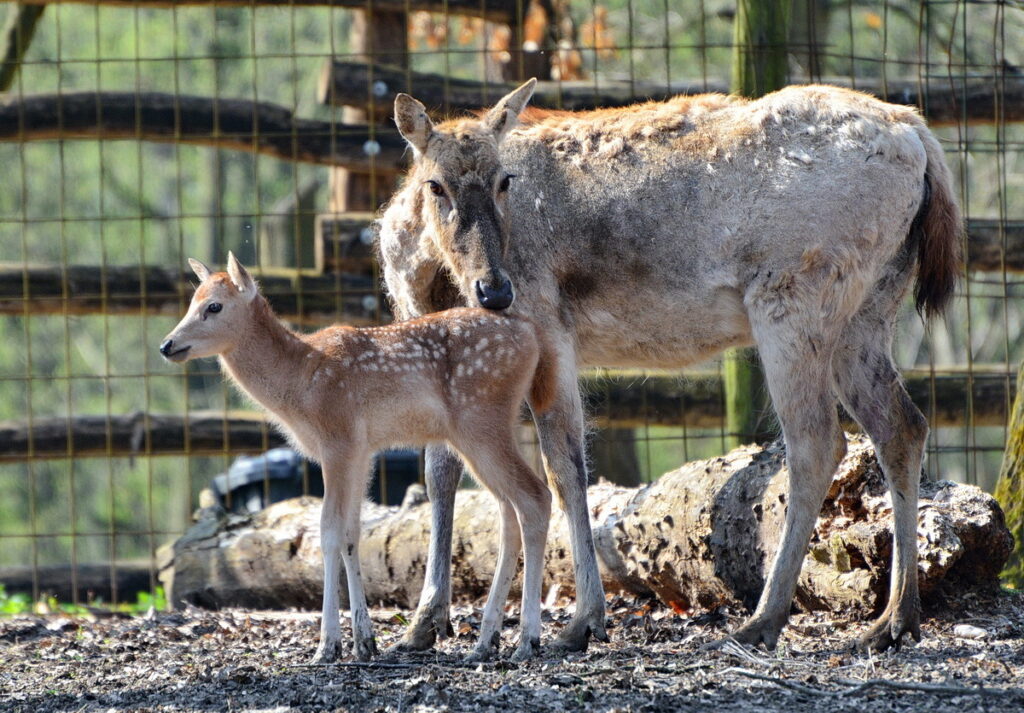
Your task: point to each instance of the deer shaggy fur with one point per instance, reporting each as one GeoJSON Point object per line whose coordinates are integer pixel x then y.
{"type": "Point", "coordinates": [658, 235]}
{"type": "Point", "coordinates": [341, 393]}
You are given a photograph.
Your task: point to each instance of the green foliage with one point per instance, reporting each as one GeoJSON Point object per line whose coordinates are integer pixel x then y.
{"type": "Point", "coordinates": [15, 604]}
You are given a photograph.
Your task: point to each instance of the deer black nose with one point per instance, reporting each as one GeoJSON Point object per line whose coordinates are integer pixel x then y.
{"type": "Point", "coordinates": [167, 347]}
{"type": "Point", "coordinates": [496, 299]}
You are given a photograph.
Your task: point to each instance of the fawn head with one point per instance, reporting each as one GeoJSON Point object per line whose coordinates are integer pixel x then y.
{"type": "Point", "coordinates": [218, 315]}
{"type": "Point", "coordinates": [465, 191]}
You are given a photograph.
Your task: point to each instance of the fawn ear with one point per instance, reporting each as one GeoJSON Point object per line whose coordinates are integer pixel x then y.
{"type": "Point", "coordinates": [241, 277]}
{"type": "Point", "coordinates": [413, 123]}
{"type": "Point", "coordinates": [505, 114]}
{"type": "Point", "coordinates": [201, 270]}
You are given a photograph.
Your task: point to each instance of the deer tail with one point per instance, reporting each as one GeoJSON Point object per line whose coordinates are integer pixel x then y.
{"type": "Point", "coordinates": [939, 233]}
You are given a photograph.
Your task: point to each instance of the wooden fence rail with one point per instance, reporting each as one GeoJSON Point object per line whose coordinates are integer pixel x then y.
{"type": "Point", "coordinates": [693, 400]}
{"type": "Point", "coordinates": [943, 103]}
{"type": "Point", "coordinates": [494, 10]}
{"type": "Point", "coordinates": [79, 289]}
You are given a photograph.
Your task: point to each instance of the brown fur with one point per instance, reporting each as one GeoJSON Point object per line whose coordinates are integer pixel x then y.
{"type": "Point", "coordinates": [342, 393]}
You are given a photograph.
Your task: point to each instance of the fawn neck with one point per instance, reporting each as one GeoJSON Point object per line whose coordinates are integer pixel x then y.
{"type": "Point", "coordinates": [269, 360]}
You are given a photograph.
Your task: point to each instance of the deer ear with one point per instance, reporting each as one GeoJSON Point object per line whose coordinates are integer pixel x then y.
{"type": "Point", "coordinates": [241, 277]}
{"type": "Point", "coordinates": [505, 114]}
{"type": "Point", "coordinates": [413, 123]}
{"type": "Point", "coordinates": [201, 270]}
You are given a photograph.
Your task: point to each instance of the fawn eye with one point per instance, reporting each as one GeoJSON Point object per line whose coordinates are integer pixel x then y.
{"type": "Point", "coordinates": [214, 307]}
{"type": "Point", "coordinates": [436, 188]}
{"type": "Point", "coordinates": [505, 182]}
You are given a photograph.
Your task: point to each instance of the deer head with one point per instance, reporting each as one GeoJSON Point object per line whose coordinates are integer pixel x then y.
{"type": "Point", "coordinates": [218, 316]}
{"type": "Point", "coordinates": [465, 191]}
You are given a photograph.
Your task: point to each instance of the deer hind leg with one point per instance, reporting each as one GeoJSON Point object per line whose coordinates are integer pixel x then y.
{"type": "Point", "coordinates": [797, 370]}
{"type": "Point", "coordinates": [431, 621]}
{"type": "Point", "coordinates": [502, 469]}
{"type": "Point", "coordinates": [561, 440]}
{"type": "Point", "coordinates": [873, 393]}
{"type": "Point", "coordinates": [508, 558]}
{"type": "Point", "coordinates": [344, 484]}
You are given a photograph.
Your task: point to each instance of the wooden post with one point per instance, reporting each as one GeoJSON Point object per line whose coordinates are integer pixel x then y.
{"type": "Point", "coordinates": [759, 66]}
{"type": "Point", "coordinates": [21, 25]}
{"type": "Point", "coordinates": [376, 36]}
{"type": "Point", "coordinates": [1010, 488]}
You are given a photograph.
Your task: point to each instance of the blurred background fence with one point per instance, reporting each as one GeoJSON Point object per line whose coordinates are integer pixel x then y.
{"type": "Point", "coordinates": [136, 134]}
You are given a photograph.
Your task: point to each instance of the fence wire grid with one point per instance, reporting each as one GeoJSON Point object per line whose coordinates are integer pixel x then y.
{"type": "Point", "coordinates": [134, 137]}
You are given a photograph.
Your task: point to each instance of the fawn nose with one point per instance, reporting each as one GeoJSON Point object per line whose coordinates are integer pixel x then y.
{"type": "Point", "coordinates": [167, 347]}
{"type": "Point", "coordinates": [496, 299]}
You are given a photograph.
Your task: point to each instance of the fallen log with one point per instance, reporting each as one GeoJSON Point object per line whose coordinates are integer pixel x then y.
{"type": "Point", "coordinates": [699, 537]}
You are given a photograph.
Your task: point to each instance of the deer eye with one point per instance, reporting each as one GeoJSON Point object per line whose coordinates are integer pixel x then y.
{"type": "Point", "coordinates": [436, 188]}
{"type": "Point", "coordinates": [214, 307]}
{"type": "Point", "coordinates": [505, 182]}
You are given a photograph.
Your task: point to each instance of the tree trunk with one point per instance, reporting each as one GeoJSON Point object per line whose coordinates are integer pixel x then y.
{"type": "Point", "coordinates": [699, 537]}
{"type": "Point", "coordinates": [1010, 488]}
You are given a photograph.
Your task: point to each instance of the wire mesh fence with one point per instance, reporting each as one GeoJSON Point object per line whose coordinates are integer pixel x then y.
{"type": "Point", "coordinates": [135, 136]}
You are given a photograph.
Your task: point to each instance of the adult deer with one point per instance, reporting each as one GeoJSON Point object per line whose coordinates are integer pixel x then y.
{"type": "Point", "coordinates": [342, 393]}
{"type": "Point", "coordinates": [658, 235]}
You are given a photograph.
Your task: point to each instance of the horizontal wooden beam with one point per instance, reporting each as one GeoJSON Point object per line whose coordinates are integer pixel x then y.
{"type": "Point", "coordinates": [87, 581]}
{"type": "Point", "coordinates": [373, 87]}
{"type": "Point", "coordinates": [494, 10]}
{"type": "Point", "coordinates": [78, 289]}
{"type": "Point", "coordinates": [136, 434]}
{"type": "Point", "coordinates": [696, 400]}
{"type": "Point", "coordinates": [987, 241]}
{"type": "Point", "coordinates": [992, 247]}
{"type": "Point", "coordinates": [236, 124]}
{"type": "Point", "coordinates": [693, 400]}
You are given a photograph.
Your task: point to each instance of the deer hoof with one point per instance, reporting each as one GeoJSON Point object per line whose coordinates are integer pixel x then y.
{"type": "Point", "coordinates": [759, 630]}
{"type": "Point", "coordinates": [888, 631]}
{"type": "Point", "coordinates": [576, 636]}
{"type": "Point", "coordinates": [327, 652]}
{"type": "Point", "coordinates": [428, 625]}
{"type": "Point", "coordinates": [484, 649]}
{"type": "Point", "coordinates": [527, 649]}
{"type": "Point", "coordinates": [364, 650]}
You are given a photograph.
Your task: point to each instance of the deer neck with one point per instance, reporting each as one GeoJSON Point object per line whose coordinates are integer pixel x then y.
{"type": "Point", "coordinates": [268, 363]}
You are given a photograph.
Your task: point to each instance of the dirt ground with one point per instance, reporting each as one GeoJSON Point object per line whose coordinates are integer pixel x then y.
{"type": "Point", "coordinates": [971, 658]}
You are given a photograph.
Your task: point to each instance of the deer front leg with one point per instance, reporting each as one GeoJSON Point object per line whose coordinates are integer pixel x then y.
{"type": "Point", "coordinates": [431, 621]}
{"type": "Point", "coordinates": [561, 439]}
{"type": "Point", "coordinates": [344, 485]}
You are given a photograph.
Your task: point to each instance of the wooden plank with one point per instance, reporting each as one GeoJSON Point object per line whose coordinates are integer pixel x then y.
{"type": "Point", "coordinates": [494, 10]}
{"type": "Point", "coordinates": [943, 103]}
{"type": "Point", "coordinates": [236, 124]}
{"type": "Point", "coordinates": [110, 581]}
{"type": "Point", "coordinates": [985, 245]}
{"type": "Point", "coordinates": [79, 289]}
{"type": "Point", "coordinates": [623, 401]}
{"type": "Point", "coordinates": [136, 434]}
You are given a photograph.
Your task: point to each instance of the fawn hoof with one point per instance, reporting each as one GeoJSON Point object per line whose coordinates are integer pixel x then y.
{"type": "Point", "coordinates": [759, 630]}
{"type": "Point", "coordinates": [327, 652]}
{"type": "Point", "coordinates": [576, 636]}
{"type": "Point", "coordinates": [888, 631]}
{"type": "Point", "coordinates": [529, 648]}
{"type": "Point", "coordinates": [484, 649]}
{"type": "Point", "coordinates": [364, 650]}
{"type": "Point", "coordinates": [428, 625]}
